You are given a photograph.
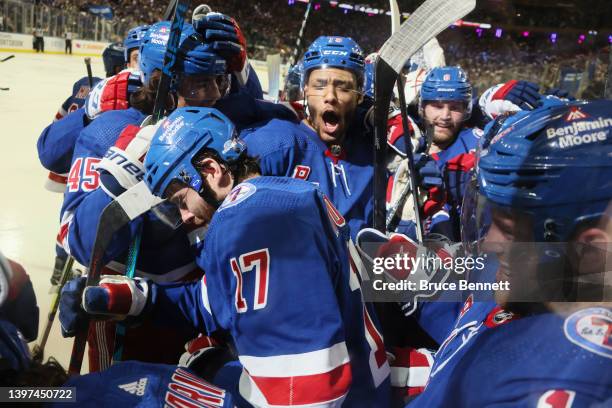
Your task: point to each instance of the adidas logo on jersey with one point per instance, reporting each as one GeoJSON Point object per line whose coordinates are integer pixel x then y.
{"type": "Point", "coordinates": [136, 387]}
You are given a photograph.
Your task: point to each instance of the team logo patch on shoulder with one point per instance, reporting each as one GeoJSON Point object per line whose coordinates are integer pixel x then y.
{"type": "Point", "coordinates": [240, 193]}
{"type": "Point", "coordinates": [591, 329]}
{"type": "Point", "coordinates": [499, 316]}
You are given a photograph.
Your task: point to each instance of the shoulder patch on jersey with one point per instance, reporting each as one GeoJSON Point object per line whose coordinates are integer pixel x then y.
{"type": "Point", "coordinates": [301, 172]}
{"type": "Point", "coordinates": [591, 329]}
{"type": "Point", "coordinates": [240, 193]}
{"type": "Point", "coordinates": [499, 316]}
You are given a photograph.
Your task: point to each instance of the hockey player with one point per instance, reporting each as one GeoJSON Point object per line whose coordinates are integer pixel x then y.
{"type": "Point", "coordinates": [544, 181]}
{"type": "Point", "coordinates": [322, 350]}
{"type": "Point", "coordinates": [131, 45]}
{"type": "Point", "coordinates": [331, 146]}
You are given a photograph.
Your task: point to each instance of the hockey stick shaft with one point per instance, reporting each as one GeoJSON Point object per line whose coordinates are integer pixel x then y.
{"type": "Point", "coordinates": [66, 273]}
{"type": "Point", "coordinates": [89, 74]}
{"type": "Point", "coordinates": [298, 44]}
{"type": "Point", "coordinates": [411, 166]}
{"type": "Point", "coordinates": [7, 58]}
{"type": "Point", "coordinates": [128, 206]}
{"type": "Point", "coordinates": [130, 272]}
{"type": "Point", "coordinates": [170, 57]}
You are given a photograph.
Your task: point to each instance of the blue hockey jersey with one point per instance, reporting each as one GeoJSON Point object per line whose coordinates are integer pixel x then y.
{"type": "Point", "coordinates": [132, 383]}
{"type": "Point", "coordinates": [280, 283]}
{"type": "Point", "coordinates": [446, 222]}
{"type": "Point", "coordinates": [494, 359]}
{"type": "Point", "coordinates": [295, 150]}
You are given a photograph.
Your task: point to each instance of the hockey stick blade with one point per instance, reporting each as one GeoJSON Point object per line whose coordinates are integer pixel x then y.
{"type": "Point", "coordinates": [7, 58]}
{"type": "Point", "coordinates": [129, 205]}
{"type": "Point", "coordinates": [431, 18]}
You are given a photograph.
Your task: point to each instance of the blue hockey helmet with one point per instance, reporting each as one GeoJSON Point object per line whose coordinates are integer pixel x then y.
{"type": "Point", "coordinates": [153, 49]}
{"type": "Point", "coordinates": [447, 84]}
{"type": "Point", "coordinates": [113, 58]}
{"type": "Point", "coordinates": [293, 83]}
{"type": "Point", "coordinates": [370, 66]}
{"type": "Point", "coordinates": [197, 57]}
{"type": "Point", "coordinates": [180, 137]}
{"type": "Point", "coordinates": [553, 163]}
{"type": "Point", "coordinates": [133, 40]}
{"type": "Point", "coordinates": [334, 52]}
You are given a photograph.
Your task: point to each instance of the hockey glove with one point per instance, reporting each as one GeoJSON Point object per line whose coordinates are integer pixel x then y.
{"type": "Point", "coordinates": [112, 93]}
{"type": "Point", "coordinates": [122, 166]}
{"type": "Point", "coordinates": [72, 317]}
{"type": "Point", "coordinates": [560, 93]}
{"type": "Point", "coordinates": [512, 96]}
{"type": "Point", "coordinates": [117, 296]}
{"type": "Point", "coordinates": [226, 37]}
{"type": "Point", "coordinates": [205, 356]}
{"type": "Point", "coordinates": [423, 263]}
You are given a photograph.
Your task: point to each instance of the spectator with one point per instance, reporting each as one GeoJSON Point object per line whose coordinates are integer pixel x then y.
{"type": "Point", "coordinates": [68, 37]}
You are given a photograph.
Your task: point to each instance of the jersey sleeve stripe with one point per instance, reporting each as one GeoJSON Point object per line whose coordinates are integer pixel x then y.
{"type": "Point", "coordinates": [320, 390]}
{"type": "Point", "coordinates": [292, 365]}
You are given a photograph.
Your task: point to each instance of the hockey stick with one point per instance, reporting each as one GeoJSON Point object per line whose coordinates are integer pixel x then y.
{"type": "Point", "coordinates": [66, 273]}
{"type": "Point", "coordinates": [170, 58]}
{"type": "Point", "coordinates": [7, 58]}
{"type": "Point", "coordinates": [89, 74]}
{"type": "Point", "coordinates": [296, 51]}
{"type": "Point", "coordinates": [395, 16]}
{"type": "Point", "coordinates": [125, 208]}
{"type": "Point", "coordinates": [426, 22]}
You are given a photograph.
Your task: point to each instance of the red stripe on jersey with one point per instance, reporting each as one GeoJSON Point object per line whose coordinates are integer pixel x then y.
{"type": "Point", "coordinates": [409, 357]}
{"type": "Point", "coordinates": [307, 389]}
{"type": "Point", "coordinates": [61, 236]}
{"type": "Point", "coordinates": [127, 135]}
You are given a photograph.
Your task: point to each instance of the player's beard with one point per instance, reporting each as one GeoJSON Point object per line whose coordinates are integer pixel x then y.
{"type": "Point", "coordinates": [210, 197]}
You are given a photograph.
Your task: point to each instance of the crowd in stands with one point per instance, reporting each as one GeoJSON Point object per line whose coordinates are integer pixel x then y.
{"type": "Point", "coordinates": [272, 26]}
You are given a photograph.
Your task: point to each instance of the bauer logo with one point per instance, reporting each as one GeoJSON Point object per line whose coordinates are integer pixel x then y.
{"type": "Point", "coordinates": [591, 329]}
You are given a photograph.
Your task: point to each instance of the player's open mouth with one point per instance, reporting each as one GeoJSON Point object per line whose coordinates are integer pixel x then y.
{"type": "Point", "coordinates": [330, 121]}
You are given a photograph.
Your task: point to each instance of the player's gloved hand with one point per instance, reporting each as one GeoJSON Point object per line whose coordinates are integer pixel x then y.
{"type": "Point", "coordinates": [117, 296]}
{"type": "Point", "coordinates": [560, 93]}
{"type": "Point", "coordinates": [227, 39]}
{"type": "Point", "coordinates": [205, 355]}
{"type": "Point", "coordinates": [433, 267]}
{"type": "Point", "coordinates": [458, 173]}
{"type": "Point", "coordinates": [511, 96]}
{"type": "Point", "coordinates": [72, 317]}
{"type": "Point", "coordinates": [112, 93]}
{"type": "Point", "coordinates": [410, 370]}
{"type": "Point", "coordinates": [122, 166]}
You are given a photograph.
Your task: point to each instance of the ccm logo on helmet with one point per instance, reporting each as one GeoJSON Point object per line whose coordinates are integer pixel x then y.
{"type": "Point", "coordinates": [334, 52]}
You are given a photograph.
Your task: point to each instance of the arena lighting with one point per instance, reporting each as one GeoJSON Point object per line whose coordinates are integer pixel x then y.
{"type": "Point", "coordinates": [525, 33]}
{"type": "Point", "coordinates": [498, 33]}
{"type": "Point", "coordinates": [317, 6]}
{"type": "Point", "coordinates": [553, 38]}
{"type": "Point", "coordinates": [610, 39]}
{"type": "Point", "coordinates": [479, 32]}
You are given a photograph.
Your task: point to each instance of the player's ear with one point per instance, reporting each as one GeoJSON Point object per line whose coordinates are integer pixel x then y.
{"type": "Point", "coordinates": [591, 247]}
